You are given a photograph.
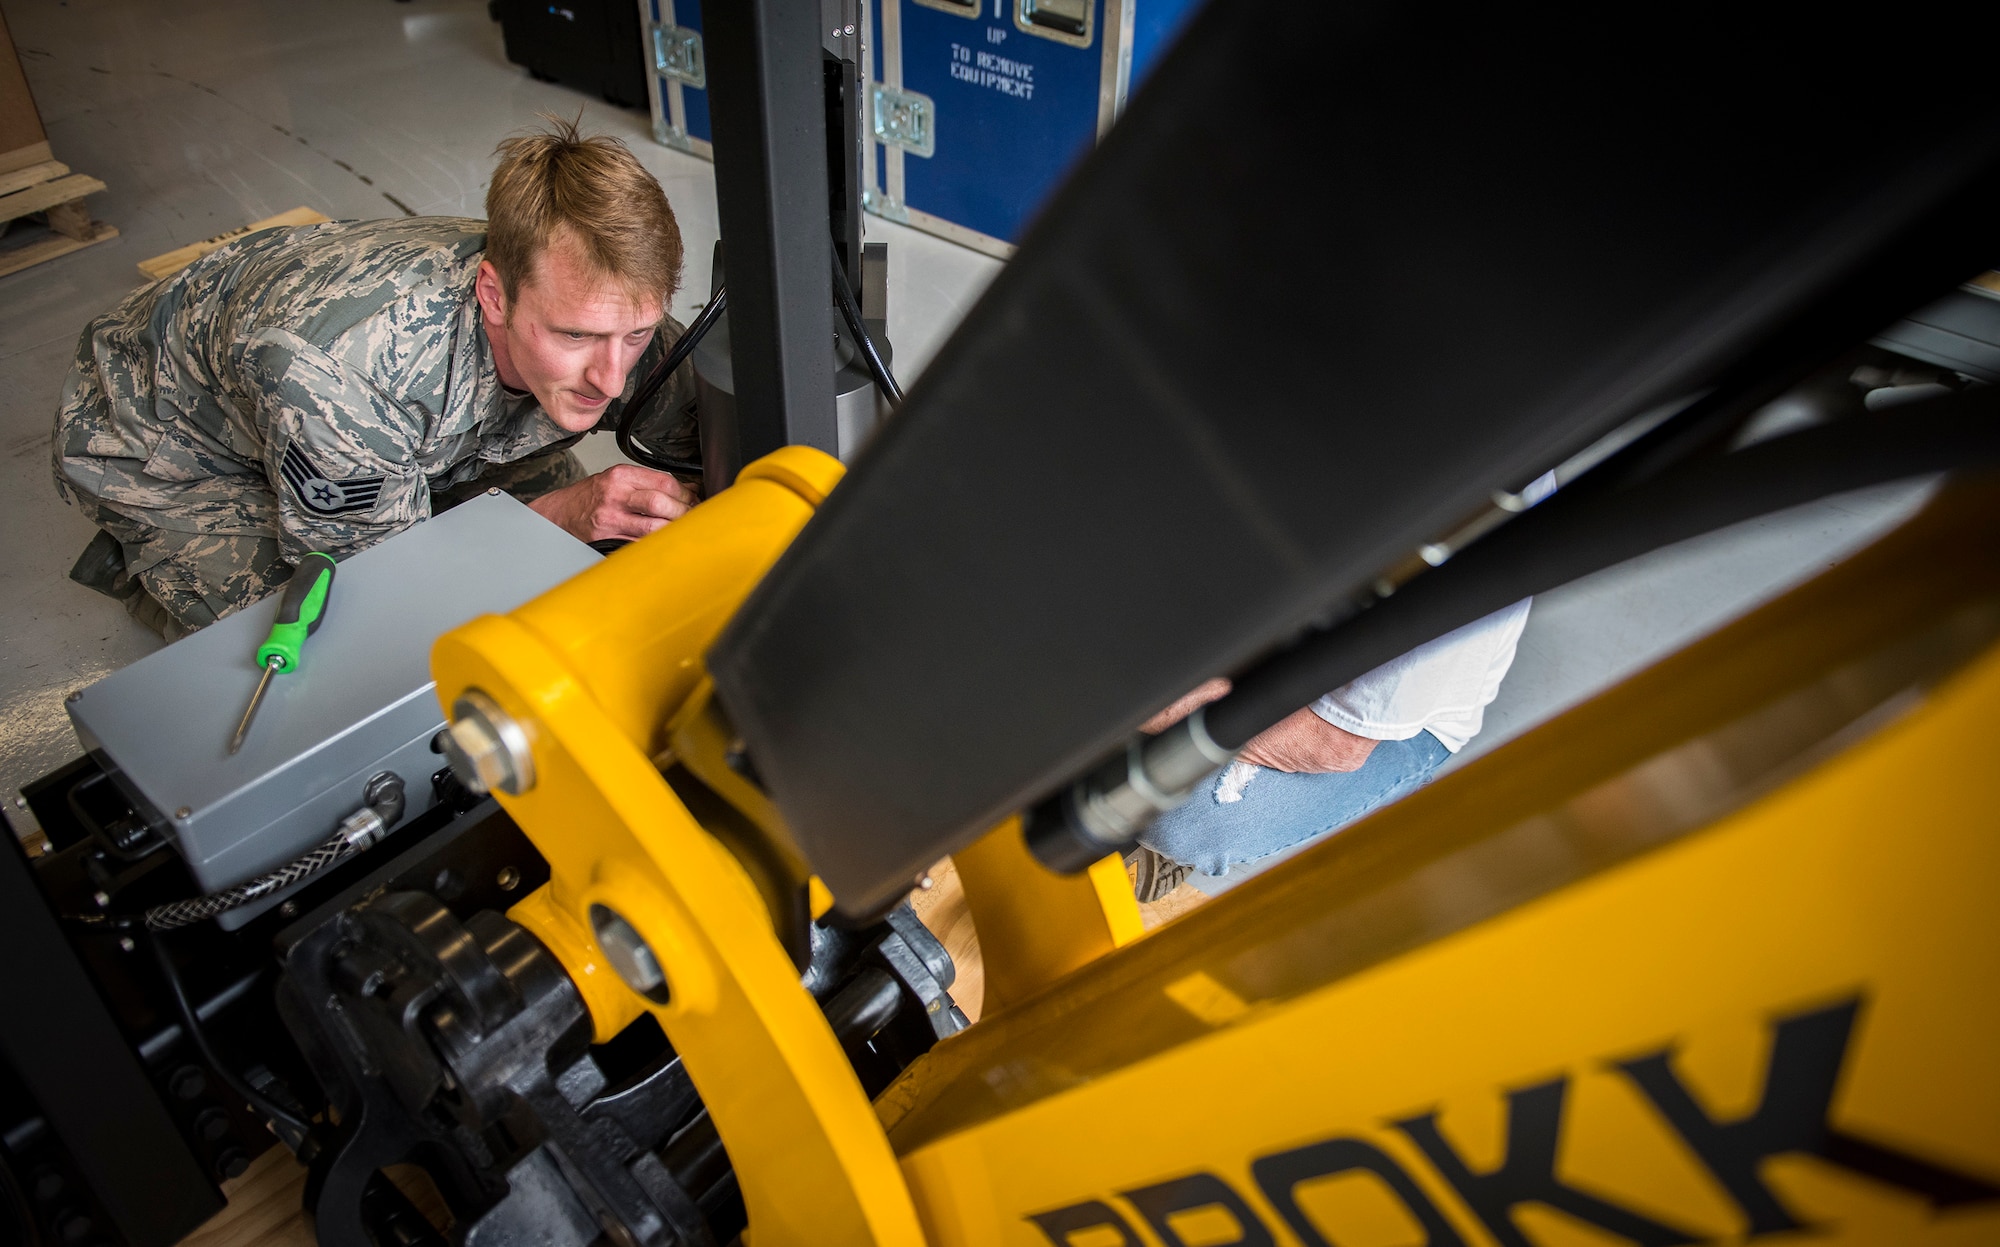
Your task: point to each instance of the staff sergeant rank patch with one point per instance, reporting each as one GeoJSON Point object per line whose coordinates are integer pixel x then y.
{"type": "Point", "coordinates": [323, 496]}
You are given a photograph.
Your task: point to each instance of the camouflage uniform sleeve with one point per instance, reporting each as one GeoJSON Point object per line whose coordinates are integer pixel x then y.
{"type": "Point", "coordinates": [667, 426]}
{"type": "Point", "coordinates": [340, 453]}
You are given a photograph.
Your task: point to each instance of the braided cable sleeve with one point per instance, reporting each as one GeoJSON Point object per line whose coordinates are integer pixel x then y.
{"type": "Point", "coordinates": [184, 913]}
{"type": "Point", "coordinates": [384, 808]}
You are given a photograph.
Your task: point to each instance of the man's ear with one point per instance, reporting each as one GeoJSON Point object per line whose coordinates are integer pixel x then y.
{"type": "Point", "coordinates": [492, 293]}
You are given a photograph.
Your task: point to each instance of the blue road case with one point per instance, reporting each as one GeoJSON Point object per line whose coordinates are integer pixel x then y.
{"type": "Point", "coordinates": [676, 74]}
{"type": "Point", "coordinates": [979, 107]}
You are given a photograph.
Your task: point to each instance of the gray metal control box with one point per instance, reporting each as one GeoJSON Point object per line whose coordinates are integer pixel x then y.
{"type": "Point", "coordinates": [361, 702]}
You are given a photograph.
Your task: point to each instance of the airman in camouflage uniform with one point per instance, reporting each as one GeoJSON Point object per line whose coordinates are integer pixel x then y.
{"type": "Point", "coordinates": [315, 388]}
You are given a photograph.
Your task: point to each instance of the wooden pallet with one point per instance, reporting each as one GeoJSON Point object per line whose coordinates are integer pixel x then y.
{"type": "Point", "coordinates": [50, 188]}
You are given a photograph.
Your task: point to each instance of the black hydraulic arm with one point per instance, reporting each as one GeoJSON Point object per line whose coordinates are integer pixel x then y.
{"type": "Point", "coordinates": [767, 109]}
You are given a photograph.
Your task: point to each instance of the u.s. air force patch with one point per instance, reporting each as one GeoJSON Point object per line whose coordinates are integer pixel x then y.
{"type": "Point", "coordinates": [322, 495]}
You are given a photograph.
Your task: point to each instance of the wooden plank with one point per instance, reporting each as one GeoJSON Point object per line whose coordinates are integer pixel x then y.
{"type": "Point", "coordinates": [265, 1207]}
{"type": "Point", "coordinates": [1171, 906]}
{"type": "Point", "coordinates": [22, 157]}
{"type": "Point", "coordinates": [48, 195]}
{"type": "Point", "coordinates": [180, 257]}
{"type": "Point", "coordinates": [20, 179]}
{"type": "Point", "coordinates": [72, 220]}
{"type": "Point", "coordinates": [943, 909]}
{"type": "Point", "coordinates": [34, 253]}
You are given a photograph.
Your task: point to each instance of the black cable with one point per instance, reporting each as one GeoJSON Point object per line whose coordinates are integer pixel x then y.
{"type": "Point", "coordinates": [850, 311]}
{"type": "Point", "coordinates": [290, 1128]}
{"type": "Point", "coordinates": [676, 355]}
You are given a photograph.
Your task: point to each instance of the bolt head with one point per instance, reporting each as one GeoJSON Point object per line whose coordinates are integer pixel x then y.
{"type": "Point", "coordinates": [73, 1227]}
{"type": "Point", "coordinates": [289, 909]}
{"type": "Point", "coordinates": [616, 1232]}
{"type": "Point", "coordinates": [183, 812]}
{"type": "Point", "coordinates": [487, 749]}
{"type": "Point", "coordinates": [187, 1083]}
{"type": "Point", "coordinates": [508, 879]}
{"type": "Point", "coordinates": [48, 1183]}
{"type": "Point", "coordinates": [629, 954]}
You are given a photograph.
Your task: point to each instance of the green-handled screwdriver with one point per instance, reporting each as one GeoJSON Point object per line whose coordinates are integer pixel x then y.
{"type": "Point", "coordinates": [299, 616]}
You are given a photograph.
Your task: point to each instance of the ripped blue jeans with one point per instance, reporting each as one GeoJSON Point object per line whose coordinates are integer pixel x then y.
{"type": "Point", "coordinates": [1242, 815]}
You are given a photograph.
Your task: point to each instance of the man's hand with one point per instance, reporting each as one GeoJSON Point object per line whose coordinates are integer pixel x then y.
{"type": "Point", "coordinates": [622, 501]}
{"type": "Point", "coordinates": [1304, 743]}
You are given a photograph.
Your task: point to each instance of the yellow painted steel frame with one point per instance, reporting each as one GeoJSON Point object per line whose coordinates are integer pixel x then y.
{"type": "Point", "coordinates": [593, 670]}
{"type": "Point", "coordinates": [1036, 927]}
{"type": "Point", "coordinates": [1710, 958]}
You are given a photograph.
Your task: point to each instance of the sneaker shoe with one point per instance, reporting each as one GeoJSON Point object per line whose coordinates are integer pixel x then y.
{"type": "Point", "coordinates": [1153, 876]}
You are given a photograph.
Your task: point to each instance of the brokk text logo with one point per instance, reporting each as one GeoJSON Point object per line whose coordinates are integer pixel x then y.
{"type": "Point", "coordinates": [1790, 1118]}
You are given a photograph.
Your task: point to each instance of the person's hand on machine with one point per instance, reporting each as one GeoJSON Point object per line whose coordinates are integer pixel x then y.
{"type": "Point", "coordinates": [1305, 744]}
{"type": "Point", "coordinates": [1301, 742]}
{"type": "Point", "coordinates": [622, 501]}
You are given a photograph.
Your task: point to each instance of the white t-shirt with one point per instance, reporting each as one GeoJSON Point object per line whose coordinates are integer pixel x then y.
{"type": "Point", "coordinates": [1442, 687]}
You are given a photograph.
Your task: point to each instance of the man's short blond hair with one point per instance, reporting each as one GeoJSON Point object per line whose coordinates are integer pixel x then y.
{"type": "Point", "coordinates": [554, 184]}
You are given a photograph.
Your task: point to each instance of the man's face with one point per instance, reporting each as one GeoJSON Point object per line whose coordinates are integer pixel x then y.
{"type": "Point", "coordinates": [570, 334]}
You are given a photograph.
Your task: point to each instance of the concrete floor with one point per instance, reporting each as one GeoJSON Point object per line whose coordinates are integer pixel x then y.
{"type": "Point", "coordinates": [204, 115]}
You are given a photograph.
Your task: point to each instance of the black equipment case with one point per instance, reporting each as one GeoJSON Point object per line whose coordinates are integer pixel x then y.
{"type": "Point", "coordinates": [592, 45]}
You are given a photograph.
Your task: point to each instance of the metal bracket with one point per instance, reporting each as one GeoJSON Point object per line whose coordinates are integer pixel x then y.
{"type": "Point", "coordinates": [1064, 21]}
{"type": "Point", "coordinates": [677, 54]}
{"type": "Point", "coordinates": [875, 285]}
{"type": "Point", "coordinates": [666, 135]}
{"type": "Point", "coordinates": [905, 119]}
{"type": "Point", "coordinates": [885, 206]}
